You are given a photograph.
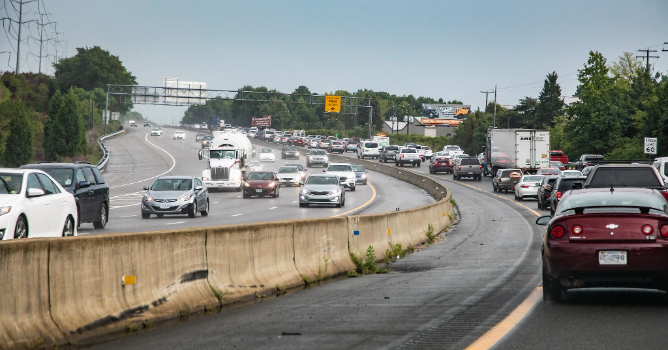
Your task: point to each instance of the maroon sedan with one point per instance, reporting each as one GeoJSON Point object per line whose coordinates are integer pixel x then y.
{"type": "Point", "coordinates": [299, 142]}
{"type": "Point", "coordinates": [614, 237]}
{"type": "Point", "coordinates": [261, 183]}
{"type": "Point", "coordinates": [440, 164]}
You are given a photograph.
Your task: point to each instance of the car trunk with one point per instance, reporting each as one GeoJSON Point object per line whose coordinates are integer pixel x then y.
{"type": "Point", "coordinates": [614, 227]}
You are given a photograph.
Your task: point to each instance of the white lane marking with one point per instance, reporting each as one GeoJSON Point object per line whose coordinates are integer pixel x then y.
{"type": "Point", "coordinates": [236, 214]}
{"type": "Point", "coordinates": [127, 216]}
{"type": "Point", "coordinates": [216, 202]}
{"type": "Point", "coordinates": [175, 223]}
{"type": "Point", "coordinates": [238, 196]}
{"type": "Point", "coordinates": [272, 208]}
{"type": "Point", "coordinates": [124, 206]}
{"type": "Point", "coordinates": [293, 202]}
{"type": "Point", "coordinates": [150, 178]}
{"type": "Point", "coordinates": [131, 194]}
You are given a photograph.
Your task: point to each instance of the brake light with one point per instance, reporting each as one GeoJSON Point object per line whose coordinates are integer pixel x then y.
{"type": "Point", "coordinates": [402, 156]}
{"type": "Point", "coordinates": [459, 167]}
{"type": "Point", "coordinates": [558, 231]}
{"type": "Point", "coordinates": [558, 194]}
{"type": "Point", "coordinates": [664, 231]}
{"type": "Point", "coordinates": [524, 186]}
{"type": "Point", "coordinates": [665, 194]}
{"type": "Point", "coordinates": [577, 230]}
{"type": "Point", "coordinates": [647, 230]}
{"type": "Point", "coordinates": [481, 167]}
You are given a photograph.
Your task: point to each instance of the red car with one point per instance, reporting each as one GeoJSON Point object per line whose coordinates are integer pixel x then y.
{"type": "Point", "coordinates": [299, 142]}
{"type": "Point", "coordinates": [614, 237]}
{"type": "Point", "coordinates": [261, 183]}
{"type": "Point", "coordinates": [440, 164]}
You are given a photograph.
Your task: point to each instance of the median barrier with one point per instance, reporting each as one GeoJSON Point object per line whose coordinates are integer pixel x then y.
{"type": "Point", "coordinates": [321, 247]}
{"type": "Point", "coordinates": [368, 230]}
{"type": "Point", "coordinates": [247, 260]}
{"type": "Point", "coordinates": [102, 283]}
{"type": "Point", "coordinates": [25, 320]}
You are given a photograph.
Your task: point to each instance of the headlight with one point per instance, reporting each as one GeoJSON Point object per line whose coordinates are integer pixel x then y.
{"type": "Point", "coordinates": [5, 210]}
{"type": "Point", "coordinates": [148, 198]}
{"type": "Point", "coordinates": [247, 184]}
{"type": "Point", "coordinates": [272, 185]}
{"type": "Point", "coordinates": [305, 191]}
{"type": "Point", "coordinates": [186, 197]}
{"type": "Point", "coordinates": [336, 191]}
{"type": "Point", "coordinates": [363, 176]}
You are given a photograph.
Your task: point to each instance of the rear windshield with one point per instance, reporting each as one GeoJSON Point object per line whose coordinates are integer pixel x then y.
{"type": "Point", "coordinates": [391, 148]}
{"type": "Point", "coordinates": [288, 170]}
{"type": "Point", "coordinates": [603, 177]}
{"type": "Point", "coordinates": [532, 178]}
{"type": "Point", "coordinates": [371, 145]}
{"type": "Point", "coordinates": [593, 158]}
{"type": "Point", "coordinates": [409, 150]}
{"type": "Point", "coordinates": [506, 174]}
{"type": "Point", "coordinates": [322, 180]}
{"type": "Point", "coordinates": [613, 199]}
{"type": "Point", "coordinates": [453, 148]}
{"type": "Point", "coordinates": [567, 184]}
{"type": "Point", "coordinates": [557, 154]}
{"type": "Point", "coordinates": [470, 161]}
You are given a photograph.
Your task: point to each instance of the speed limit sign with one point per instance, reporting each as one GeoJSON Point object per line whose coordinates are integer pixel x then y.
{"type": "Point", "coordinates": [650, 145]}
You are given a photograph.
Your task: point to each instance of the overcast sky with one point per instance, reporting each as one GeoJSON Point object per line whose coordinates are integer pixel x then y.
{"type": "Point", "coordinates": [448, 49]}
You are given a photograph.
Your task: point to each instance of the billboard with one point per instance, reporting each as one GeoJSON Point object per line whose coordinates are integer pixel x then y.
{"type": "Point", "coordinates": [263, 122]}
{"type": "Point", "coordinates": [176, 91]}
{"type": "Point", "coordinates": [446, 111]}
{"type": "Point", "coordinates": [451, 122]}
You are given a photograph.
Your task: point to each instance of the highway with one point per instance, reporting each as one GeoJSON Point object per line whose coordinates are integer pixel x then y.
{"type": "Point", "coordinates": [137, 159]}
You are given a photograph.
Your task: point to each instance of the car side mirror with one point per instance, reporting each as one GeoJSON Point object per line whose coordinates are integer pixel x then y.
{"type": "Point", "coordinates": [35, 192]}
{"type": "Point", "coordinates": [200, 155]}
{"type": "Point", "coordinates": [366, 170]}
{"type": "Point", "coordinates": [84, 184]}
{"type": "Point", "coordinates": [324, 170]}
{"type": "Point", "coordinates": [145, 188]}
{"type": "Point", "coordinates": [543, 220]}
{"type": "Point", "coordinates": [198, 188]}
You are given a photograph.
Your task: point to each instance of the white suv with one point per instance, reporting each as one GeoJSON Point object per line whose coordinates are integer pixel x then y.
{"type": "Point", "coordinates": [345, 173]}
{"type": "Point", "coordinates": [368, 149]}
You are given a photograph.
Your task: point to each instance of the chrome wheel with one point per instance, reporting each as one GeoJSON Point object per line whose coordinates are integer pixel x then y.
{"type": "Point", "coordinates": [68, 229]}
{"type": "Point", "coordinates": [21, 229]}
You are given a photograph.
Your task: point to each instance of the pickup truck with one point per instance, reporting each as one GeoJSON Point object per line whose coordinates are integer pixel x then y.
{"type": "Point", "coordinates": [626, 175]}
{"type": "Point", "coordinates": [388, 152]}
{"type": "Point", "coordinates": [408, 156]}
{"type": "Point", "coordinates": [588, 160]}
{"type": "Point", "coordinates": [467, 167]}
{"type": "Point", "coordinates": [558, 156]}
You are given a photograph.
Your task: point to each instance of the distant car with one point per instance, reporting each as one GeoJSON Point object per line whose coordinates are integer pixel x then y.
{"type": "Point", "coordinates": [289, 176]}
{"type": "Point", "coordinates": [179, 135]}
{"type": "Point", "coordinates": [290, 152]}
{"type": "Point", "coordinates": [351, 147]}
{"type": "Point", "coordinates": [528, 187]}
{"type": "Point", "coordinates": [440, 164]}
{"type": "Point", "coordinates": [26, 196]}
{"type": "Point", "coordinates": [267, 155]}
{"type": "Point", "coordinates": [175, 195]}
{"type": "Point", "coordinates": [557, 164]}
{"type": "Point", "coordinates": [571, 173]}
{"type": "Point", "coordinates": [605, 238]}
{"type": "Point", "coordinates": [545, 190]}
{"type": "Point", "coordinates": [261, 183]}
{"type": "Point", "coordinates": [156, 132]}
{"type": "Point", "coordinates": [199, 137]}
{"type": "Point", "coordinates": [313, 143]}
{"type": "Point", "coordinates": [322, 189]}
{"type": "Point", "coordinates": [344, 172]}
{"type": "Point", "coordinates": [501, 180]}
{"type": "Point", "coordinates": [587, 170]}
{"type": "Point", "coordinates": [147, 124]}
{"type": "Point", "coordinates": [360, 174]}
{"type": "Point", "coordinates": [317, 157]}
{"type": "Point", "coordinates": [388, 153]}
{"type": "Point", "coordinates": [324, 144]}
{"type": "Point", "coordinates": [368, 149]}
{"type": "Point", "coordinates": [407, 156]}
{"type": "Point", "coordinates": [336, 146]}
{"type": "Point", "coordinates": [548, 171]}
{"type": "Point", "coordinates": [206, 143]}
{"type": "Point", "coordinates": [255, 165]}
{"type": "Point", "coordinates": [302, 170]}
{"type": "Point", "coordinates": [561, 186]}
{"type": "Point", "coordinates": [467, 167]}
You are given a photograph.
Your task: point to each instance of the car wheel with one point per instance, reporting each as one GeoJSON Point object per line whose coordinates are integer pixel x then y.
{"type": "Point", "coordinates": [68, 229]}
{"type": "Point", "coordinates": [343, 201]}
{"type": "Point", "coordinates": [338, 205]}
{"type": "Point", "coordinates": [205, 212]}
{"type": "Point", "coordinates": [506, 191]}
{"type": "Point", "coordinates": [303, 205]}
{"type": "Point", "coordinates": [145, 215]}
{"type": "Point", "coordinates": [78, 216]}
{"type": "Point", "coordinates": [103, 218]}
{"type": "Point", "coordinates": [21, 228]}
{"type": "Point", "coordinates": [419, 164]}
{"type": "Point", "coordinates": [494, 188]}
{"type": "Point", "coordinates": [192, 209]}
{"type": "Point", "coordinates": [353, 188]}
{"type": "Point", "coordinates": [552, 290]}
{"type": "Point", "coordinates": [538, 203]}
{"type": "Point", "coordinates": [238, 189]}
{"type": "Point", "coordinates": [246, 195]}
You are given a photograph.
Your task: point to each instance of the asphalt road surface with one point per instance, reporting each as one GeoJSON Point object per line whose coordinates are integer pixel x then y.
{"type": "Point", "coordinates": [137, 159]}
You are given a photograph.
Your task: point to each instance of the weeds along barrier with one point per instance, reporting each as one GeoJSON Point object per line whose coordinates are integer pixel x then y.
{"type": "Point", "coordinates": [60, 290]}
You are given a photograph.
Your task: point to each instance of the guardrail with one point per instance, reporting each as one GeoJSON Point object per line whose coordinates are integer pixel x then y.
{"type": "Point", "coordinates": [59, 290]}
{"type": "Point", "coordinates": [105, 153]}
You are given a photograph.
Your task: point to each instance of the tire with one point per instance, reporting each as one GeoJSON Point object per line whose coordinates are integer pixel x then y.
{"type": "Point", "coordinates": [538, 204]}
{"type": "Point", "coordinates": [246, 196]}
{"type": "Point", "coordinates": [238, 189]}
{"type": "Point", "coordinates": [552, 290]}
{"type": "Point", "coordinates": [419, 164]}
{"type": "Point", "coordinates": [160, 215]}
{"type": "Point", "coordinates": [480, 178]}
{"type": "Point", "coordinates": [338, 205]}
{"type": "Point", "coordinates": [516, 196]}
{"type": "Point", "coordinates": [353, 188]}
{"type": "Point", "coordinates": [21, 228]}
{"type": "Point", "coordinates": [343, 203]}
{"type": "Point", "coordinates": [303, 205]}
{"type": "Point", "coordinates": [192, 210]}
{"type": "Point", "coordinates": [78, 216]}
{"type": "Point", "coordinates": [494, 188]}
{"type": "Point", "coordinates": [104, 218]}
{"type": "Point", "coordinates": [145, 216]}
{"type": "Point", "coordinates": [205, 212]}
{"type": "Point", "coordinates": [68, 228]}
{"type": "Point", "coordinates": [506, 191]}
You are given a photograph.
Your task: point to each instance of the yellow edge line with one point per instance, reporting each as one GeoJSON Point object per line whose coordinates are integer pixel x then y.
{"type": "Point", "coordinates": [373, 196]}
{"type": "Point", "coordinates": [495, 334]}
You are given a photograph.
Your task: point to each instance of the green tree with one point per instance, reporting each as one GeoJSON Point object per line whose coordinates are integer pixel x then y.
{"type": "Point", "coordinates": [19, 142]}
{"type": "Point", "coordinates": [54, 144]}
{"type": "Point", "coordinates": [550, 104]}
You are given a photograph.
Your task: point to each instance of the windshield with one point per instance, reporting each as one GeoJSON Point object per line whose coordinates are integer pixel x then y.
{"type": "Point", "coordinates": [222, 154]}
{"type": "Point", "coordinates": [391, 148]}
{"type": "Point", "coordinates": [63, 176]}
{"type": "Point", "coordinates": [470, 161]}
{"type": "Point", "coordinates": [532, 178]}
{"type": "Point", "coordinates": [266, 150]}
{"type": "Point", "coordinates": [298, 166]}
{"type": "Point", "coordinates": [172, 185]}
{"type": "Point", "coordinates": [179, 132]}
{"type": "Point", "coordinates": [322, 180]}
{"type": "Point", "coordinates": [370, 145]}
{"type": "Point", "coordinates": [340, 167]}
{"type": "Point", "coordinates": [11, 183]}
{"type": "Point", "coordinates": [613, 199]}
{"type": "Point", "coordinates": [290, 149]}
{"type": "Point", "coordinates": [452, 148]}
{"type": "Point", "coordinates": [318, 152]}
{"type": "Point", "coordinates": [156, 129]}
{"type": "Point", "coordinates": [255, 162]}
{"type": "Point", "coordinates": [260, 176]}
{"type": "Point", "coordinates": [358, 168]}
{"type": "Point", "coordinates": [268, 132]}
{"type": "Point", "coordinates": [408, 150]}
{"type": "Point", "coordinates": [288, 170]}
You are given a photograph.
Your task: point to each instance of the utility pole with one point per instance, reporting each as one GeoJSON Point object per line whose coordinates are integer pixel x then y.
{"type": "Point", "coordinates": [20, 23]}
{"type": "Point", "coordinates": [486, 96]}
{"type": "Point", "coordinates": [646, 57]}
{"type": "Point", "coordinates": [41, 34]}
{"type": "Point", "coordinates": [495, 106]}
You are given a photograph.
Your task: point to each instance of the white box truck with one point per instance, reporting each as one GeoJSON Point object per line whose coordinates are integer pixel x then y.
{"type": "Point", "coordinates": [525, 149]}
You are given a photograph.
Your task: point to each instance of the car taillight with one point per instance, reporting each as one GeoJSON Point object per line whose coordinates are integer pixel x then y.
{"type": "Point", "coordinates": [664, 231]}
{"type": "Point", "coordinates": [459, 167]}
{"type": "Point", "coordinates": [577, 230]}
{"type": "Point", "coordinates": [647, 230]}
{"type": "Point", "coordinates": [524, 186]}
{"type": "Point", "coordinates": [558, 231]}
{"type": "Point", "coordinates": [402, 156]}
{"type": "Point", "coordinates": [665, 194]}
{"type": "Point", "coordinates": [558, 194]}
{"type": "Point", "coordinates": [481, 167]}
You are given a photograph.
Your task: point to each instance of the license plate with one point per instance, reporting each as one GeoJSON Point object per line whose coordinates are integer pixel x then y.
{"type": "Point", "coordinates": [258, 190]}
{"type": "Point", "coordinates": [164, 206]}
{"type": "Point", "coordinates": [614, 257]}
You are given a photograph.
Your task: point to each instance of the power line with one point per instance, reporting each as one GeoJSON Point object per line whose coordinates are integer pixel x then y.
{"type": "Point", "coordinates": [646, 57]}
{"type": "Point", "coordinates": [486, 97]}
{"type": "Point", "coordinates": [20, 22]}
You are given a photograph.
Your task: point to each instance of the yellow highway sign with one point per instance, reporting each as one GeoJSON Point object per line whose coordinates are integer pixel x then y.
{"type": "Point", "coordinates": [332, 104]}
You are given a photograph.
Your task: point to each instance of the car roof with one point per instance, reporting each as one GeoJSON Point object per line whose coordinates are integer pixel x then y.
{"type": "Point", "coordinates": [339, 164]}
{"type": "Point", "coordinates": [55, 165]}
{"type": "Point", "coordinates": [174, 177]}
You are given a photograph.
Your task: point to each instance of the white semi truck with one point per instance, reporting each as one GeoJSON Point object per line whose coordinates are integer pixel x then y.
{"type": "Point", "coordinates": [227, 160]}
{"type": "Point", "coordinates": [525, 149]}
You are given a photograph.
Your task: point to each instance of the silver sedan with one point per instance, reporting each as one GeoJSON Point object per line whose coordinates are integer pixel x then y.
{"type": "Point", "coordinates": [175, 195]}
{"type": "Point", "coordinates": [322, 189]}
{"type": "Point", "coordinates": [528, 187]}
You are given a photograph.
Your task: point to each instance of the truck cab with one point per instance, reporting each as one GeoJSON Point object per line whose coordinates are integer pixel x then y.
{"type": "Point", "coordinates": [227, 158]}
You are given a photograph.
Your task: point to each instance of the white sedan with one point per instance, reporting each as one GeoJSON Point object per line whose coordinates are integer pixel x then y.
{"type": "Point", "coordinates": [267, 155]}
{"type": "Point", "coordinates": [32, 204]}
{"type": "Point", "coordinates": [528, 187]}
{"type": "Point", "coordinates": [179, 135]}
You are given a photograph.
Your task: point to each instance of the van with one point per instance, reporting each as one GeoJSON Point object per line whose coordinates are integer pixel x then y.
{"type": "Point", "coordinates": [368, 149]}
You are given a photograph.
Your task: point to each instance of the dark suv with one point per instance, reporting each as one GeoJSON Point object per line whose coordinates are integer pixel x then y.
{"type": "Point", "coordinates": [562, 185]}
{"type": "Point", "coordinates": [545, 190]}
{"type": "Point", "coordinates": [86, 183]}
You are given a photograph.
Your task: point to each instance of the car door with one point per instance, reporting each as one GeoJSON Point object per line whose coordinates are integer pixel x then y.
{"type": "Point", "coordinates": [57, 206]}
{"type": "Point", "coordinates": [102, 189]}
{"type": "Point", "coordinates": [82, 196]}
{"type": "Point", "coordinates": [200, 194]}
{"type": "Point", "coordinates": [94, 196]}
{"type": "Point", "coordinates": [37, 209]}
